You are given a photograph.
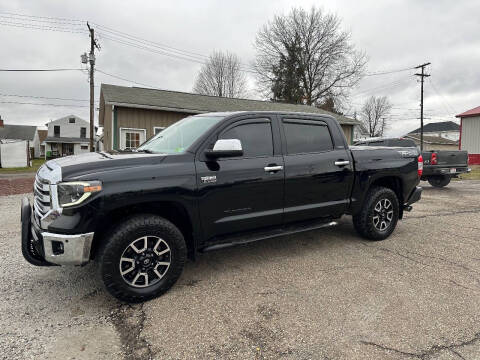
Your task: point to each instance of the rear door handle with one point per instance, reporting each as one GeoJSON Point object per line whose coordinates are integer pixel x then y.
{"type": "Point", "coordinates": [273, 168]}
{"type": "Point", "coordinates": [342, 162]}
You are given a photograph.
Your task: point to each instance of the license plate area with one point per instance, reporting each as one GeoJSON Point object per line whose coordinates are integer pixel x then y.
{"type": "Point", "coordinates": [453, 170]}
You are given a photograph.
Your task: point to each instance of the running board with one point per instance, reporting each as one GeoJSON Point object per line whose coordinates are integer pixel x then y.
{"type": "Point", "coordinates": [266, 234]}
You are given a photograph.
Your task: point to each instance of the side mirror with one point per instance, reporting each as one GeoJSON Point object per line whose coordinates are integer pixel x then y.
{"type": "Point", "coordinates": [225, 148]}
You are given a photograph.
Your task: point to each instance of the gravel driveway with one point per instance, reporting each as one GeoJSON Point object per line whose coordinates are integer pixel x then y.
{"type": "Point", "coordinates": [325, 294]}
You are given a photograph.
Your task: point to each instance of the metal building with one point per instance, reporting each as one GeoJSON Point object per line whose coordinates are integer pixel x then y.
{"type": "Point", "coordinates": [470, 134]}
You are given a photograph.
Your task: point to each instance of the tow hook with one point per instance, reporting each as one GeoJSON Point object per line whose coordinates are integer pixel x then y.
{"type": "Point", "coordinates": [407, 207]}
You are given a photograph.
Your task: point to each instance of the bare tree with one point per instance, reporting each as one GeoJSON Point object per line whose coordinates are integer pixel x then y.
{"type": "Point", "coordinates": [312, 48]}
{"type": "Point", "coordinates": [373, 115]}
{"type": "Point", "coordinates": [221, 75]}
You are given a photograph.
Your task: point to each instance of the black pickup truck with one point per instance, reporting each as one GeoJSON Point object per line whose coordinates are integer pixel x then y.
{"type": "Point", "coordinates": [206, 182]}
{"type": "Point", "coordinates": [439, 166]}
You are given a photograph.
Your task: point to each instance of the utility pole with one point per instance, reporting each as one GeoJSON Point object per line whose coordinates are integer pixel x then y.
{"type": "Point", "coordinates": [422, 76]}
{"type": "Point", "coordinates": [91, 59]}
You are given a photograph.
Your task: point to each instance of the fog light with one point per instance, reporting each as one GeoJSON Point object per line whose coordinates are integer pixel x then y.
{"type": "Point", "coordinates": [57, 248]}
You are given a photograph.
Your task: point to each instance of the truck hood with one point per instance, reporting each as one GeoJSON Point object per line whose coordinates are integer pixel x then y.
{"type": "Point", "coordinates": [92, 163]}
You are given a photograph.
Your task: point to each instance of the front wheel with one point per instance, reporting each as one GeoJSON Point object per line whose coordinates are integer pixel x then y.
{"type": "Point", "coordinates": [379, 214]}
{"type": "Point", "coordinates": [439, 180]}
{"type": "Point", "coordinates": [142, 258]}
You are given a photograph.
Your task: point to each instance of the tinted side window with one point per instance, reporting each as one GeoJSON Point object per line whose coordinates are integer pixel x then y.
{"type": "Point", "coordinates": [256, 138]}
{"type": "Point", "coordinates": [307, 137]}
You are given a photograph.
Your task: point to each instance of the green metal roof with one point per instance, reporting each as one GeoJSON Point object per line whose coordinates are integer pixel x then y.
{"type": "Point", "coordinates": [195, 104]}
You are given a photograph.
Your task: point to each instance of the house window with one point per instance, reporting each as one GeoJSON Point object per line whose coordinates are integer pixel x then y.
{"type": "Point", "coordinates": [56, 130]}
{"type": "Point", "coordinates": [71, 120]}
{"type": "Point", "coordinates": [157, 129]}
{"type": "Point", "coordinates": [83, 132]}
{"type": "Point", "coordinates": [84, 147]}
{"type": "Point", "coordinates": [131, 138]}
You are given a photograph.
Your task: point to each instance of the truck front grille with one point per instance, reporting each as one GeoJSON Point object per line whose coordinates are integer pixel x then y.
{"type": "Point", "coordinates": [41, 197]}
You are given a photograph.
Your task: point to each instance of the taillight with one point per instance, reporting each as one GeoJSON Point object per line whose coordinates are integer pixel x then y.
{"type": "Point", "coordinates": [420, 165]}
{"type": "Point", "coordinates": [433, 159]}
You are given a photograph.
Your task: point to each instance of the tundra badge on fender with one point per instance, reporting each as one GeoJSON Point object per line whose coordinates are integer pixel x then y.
{"type": "Point", "coordinates": [209, 179]}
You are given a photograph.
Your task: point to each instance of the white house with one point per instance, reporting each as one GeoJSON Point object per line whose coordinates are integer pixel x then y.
{"type": "Point", "coordinates": [444, 129]}
{"type": "Point", "coordinates": [69, 135]}
{"type": "Point", "coordinates": [360, 132]}
{"type": "Point", "coordinates": [13, 133]}
{"type": "Point", "coordinates": [470, 134]}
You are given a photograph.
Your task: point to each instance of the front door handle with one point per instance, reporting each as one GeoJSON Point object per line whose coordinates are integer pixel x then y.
{"type": "Point", "coordinates": [273, 168]}
{"type": "Point", "coordinates": [342, 162]}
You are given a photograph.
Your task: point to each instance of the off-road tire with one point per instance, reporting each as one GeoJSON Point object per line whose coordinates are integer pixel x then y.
{"type": "Point", "coordinates": [439, 181]}
{"type": "Point", "coordinates": [363, 221]}
{"type": "Point", "coordinates": [115, 243]}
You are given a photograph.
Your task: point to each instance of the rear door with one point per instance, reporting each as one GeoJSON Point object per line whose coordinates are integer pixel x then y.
{"type": "Point", "coordinates": [246, 192]}
{"type": "Point", "coordinates": [318, 171]}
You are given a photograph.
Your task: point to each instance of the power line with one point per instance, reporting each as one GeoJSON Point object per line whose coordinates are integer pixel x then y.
{"type": "Point", "coordinates": [39, 70]}
{"type": "Point", "coordinates": [128, 39]}
{"type": "Point", "coordinates": [161, 52]}
{"type": "Point", "coordinates": [41, 24]}
{"type": "Point", "coordinates": [125, 79]}
{"type": "Point", "coordinates": [42, 104]}
{"type": "Point", "coordinates": [444, 99]}
{"type": "Point", "coordinates": [42, 97]}
{"type": "Point", "coordinates": [182, 52]}
{"type": "Point", "coordinates": [41, 20]}
{"type": "Point", "coordinates": [389, 72]}
{"type": "Point", "coordinates": [146, 46]}
{"type": "Point", "coordinates": [41, 17]}
{"type": "Point", "coordinates": [380, 87]}
{"type": "Point", "coordinates": [110, 34]}
{"type": "Point", "coordinates": [136, 38]}
{"type": "Point", "coordinates": [39, 27]}
{"type": "Point", "coordinates": [138, 46]}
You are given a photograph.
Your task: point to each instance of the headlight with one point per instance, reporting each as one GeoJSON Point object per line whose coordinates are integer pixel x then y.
{"type": "Point", "coordinates": [74, 193]}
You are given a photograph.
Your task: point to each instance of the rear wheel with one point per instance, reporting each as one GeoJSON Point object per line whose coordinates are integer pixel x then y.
{"type": "Point", "coordinates": [439, 180]}
{"type": "Point", "coordinates": [142, 258]}
{"type": "Point", "coordinates": [379, 215]}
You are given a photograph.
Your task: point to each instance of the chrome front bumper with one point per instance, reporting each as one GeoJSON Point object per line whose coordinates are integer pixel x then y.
{"type": "Point", "coordinates": [67, 249]}
{"type": "Point", "coordinates": [42, 248]}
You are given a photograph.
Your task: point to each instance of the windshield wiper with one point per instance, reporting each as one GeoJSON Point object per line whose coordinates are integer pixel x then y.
{"type": "Point", "coordinates": [145, 151]}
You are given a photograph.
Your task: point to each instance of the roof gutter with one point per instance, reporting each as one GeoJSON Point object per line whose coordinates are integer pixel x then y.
{"type": "Point", "coordinates": [341, 119]}
{"type": "Point", "coordinates": [164, 108]}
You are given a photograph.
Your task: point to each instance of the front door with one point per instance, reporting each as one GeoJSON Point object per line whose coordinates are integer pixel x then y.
{"type": "Point", "coordinates": [243, 193]}
{"type": "Point", "coordinates": [318, 172]}
{"type": "Point", "coordinates": [67, 149]}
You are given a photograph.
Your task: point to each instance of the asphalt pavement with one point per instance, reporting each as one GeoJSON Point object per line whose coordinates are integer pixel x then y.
{"type": "Point", "coordinates": [325, 294]}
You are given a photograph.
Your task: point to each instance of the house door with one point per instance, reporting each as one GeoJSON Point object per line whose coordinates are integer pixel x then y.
{"type": "Point", "coordinates": [67, 149]}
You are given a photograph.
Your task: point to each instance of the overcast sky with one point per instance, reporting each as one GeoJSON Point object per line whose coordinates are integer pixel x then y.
{"type": "Point", "coordinates": [394, 35]}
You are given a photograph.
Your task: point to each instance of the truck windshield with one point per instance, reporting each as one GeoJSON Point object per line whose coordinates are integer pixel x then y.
{"type": "Point", "coordinates": [178, 137]}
